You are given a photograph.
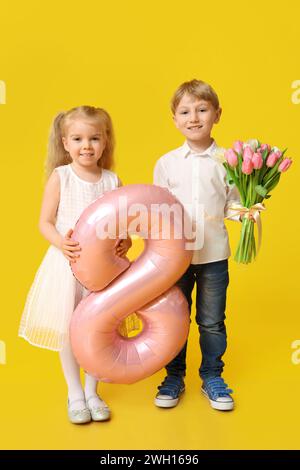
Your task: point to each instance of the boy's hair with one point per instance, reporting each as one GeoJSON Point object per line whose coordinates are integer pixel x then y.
{"type": "Point", "coordinates": [197, 88]}
{"type": "Point", "coordinates": [57, 155]}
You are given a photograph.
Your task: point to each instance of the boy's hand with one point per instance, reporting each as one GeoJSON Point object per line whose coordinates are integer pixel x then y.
{"type": "Point", "coordinates": [250, 217]}
{"type": "Point", "coordinates": [123, 246]}
{"type": "Point", "coordinates": [70, 247]}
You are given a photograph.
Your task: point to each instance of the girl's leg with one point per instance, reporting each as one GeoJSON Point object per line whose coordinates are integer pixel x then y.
{"type": "Point", "coordinates": [72, 376]}
{"type": "Point", "coordinates": [90, 390]}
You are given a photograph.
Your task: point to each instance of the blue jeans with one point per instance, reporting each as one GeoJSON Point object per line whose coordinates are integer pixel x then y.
{"type": "Point", "coordinates": [211, 280]}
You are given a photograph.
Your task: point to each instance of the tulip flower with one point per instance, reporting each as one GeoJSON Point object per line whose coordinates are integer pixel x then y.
{"type": "Point", "coordinates": [219, 155]}
{"type": "Point", "coordinates": [272, 159]}
{"type": "Point", "coordinates": [247, 153]}
{"type": "Point", "coordinates": [255, 178]}
{"type": "Point", "coordinates": [231, 158]}
{"type": "Point", "coordinates": [275, 149]}
{"type": "Point", "coordinates": [264, 147]}
{"type": "Point", "coordinates": [284, 165]}
{"type": "Point", "coordinates": [238, 146]}
{"type": "Point", "coordinates": [252, 143]}
{"type": "Point", "coordinates": [257, 161]}
{"type": "Point", "coordinates": [247, 167]}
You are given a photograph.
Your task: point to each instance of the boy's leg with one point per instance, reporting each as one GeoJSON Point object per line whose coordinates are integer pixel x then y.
{"type": "Point", "coordinates": [173, 385]}
{"type": "Point", "coordinates": [212, 280]}
{"type": "Point", "coordinates": [186, 283]}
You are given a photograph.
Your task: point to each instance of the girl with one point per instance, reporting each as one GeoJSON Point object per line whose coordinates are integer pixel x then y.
{"type": "Point", "coordinates": [80, 156]}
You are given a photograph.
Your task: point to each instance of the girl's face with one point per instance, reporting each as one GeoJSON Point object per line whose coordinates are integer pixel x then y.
{"type": "Point", "coordinates": [85, 142]}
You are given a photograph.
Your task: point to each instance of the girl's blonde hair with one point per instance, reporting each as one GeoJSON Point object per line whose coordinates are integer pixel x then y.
{"type": "Point", "coordinates": [57, 155]}
{"type": "Point", "coordinates": [197, 88]}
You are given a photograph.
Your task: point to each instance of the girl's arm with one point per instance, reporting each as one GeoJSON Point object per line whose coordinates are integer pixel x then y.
{"type": "Point", "coordinates": [48, 218]}
{"type": "Point", "coordinates": [123, 245]}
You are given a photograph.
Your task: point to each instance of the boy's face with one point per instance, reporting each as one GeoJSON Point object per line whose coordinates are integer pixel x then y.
{"type": "Point", "coordinates": [195, 118]}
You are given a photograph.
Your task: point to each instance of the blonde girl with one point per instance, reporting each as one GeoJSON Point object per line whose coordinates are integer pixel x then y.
{"type": "Point", "coordinates": [80, 158]}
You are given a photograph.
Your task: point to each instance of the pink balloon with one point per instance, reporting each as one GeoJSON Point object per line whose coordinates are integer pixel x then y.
{"type": "Point", "coordinates": [142, 286]}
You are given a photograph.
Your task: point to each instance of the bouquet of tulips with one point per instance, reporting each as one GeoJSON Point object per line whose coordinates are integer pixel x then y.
{"type": "Point", "coordinates": [255, 169]}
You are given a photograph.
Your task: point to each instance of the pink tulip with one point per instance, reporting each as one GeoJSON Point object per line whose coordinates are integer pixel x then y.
{"type": "Point", "coordinates": [264, 147]}
{"type": "Point", "coordinates": [247, 153]}
{"type": "Point", "coordinates": [247, 167]}
{"type": "Point", "coordinates": [278, 153]}
{"type": "Point", "coordinates": [257, 161]}
{"type": "Point", "coordinates": [272, 159]}
{"type": "Point", "coordinates": [231, 157]}
{"type": "Point", "coordinates": [238, 146]}
{"type": "Point", "coordinates": [284, 165]}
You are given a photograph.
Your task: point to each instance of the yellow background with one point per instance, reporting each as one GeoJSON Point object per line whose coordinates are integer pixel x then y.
{"type": "Point", "coordinates": [128, 57]}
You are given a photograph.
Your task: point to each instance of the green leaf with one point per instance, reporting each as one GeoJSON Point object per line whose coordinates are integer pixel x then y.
{"type": "Point", "coordinates": [240, 162]}
{"type": "Point", "coordinates": [268, 196]}
{"type": "Point", "coordinates": [261, 190]}
{"type": "Point", "coordinates": [272, 183]}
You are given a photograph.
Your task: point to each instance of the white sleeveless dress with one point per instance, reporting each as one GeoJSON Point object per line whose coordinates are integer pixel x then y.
{"type": "Point", "coordinates": [55, 293]}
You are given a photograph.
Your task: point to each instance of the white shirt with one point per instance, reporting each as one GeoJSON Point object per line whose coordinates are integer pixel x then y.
{"type": "Point", "coordinates": [199, 179]}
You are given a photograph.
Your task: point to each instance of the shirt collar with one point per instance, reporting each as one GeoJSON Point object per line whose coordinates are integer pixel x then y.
{"type": "Point", "coordinates": [186, 150]}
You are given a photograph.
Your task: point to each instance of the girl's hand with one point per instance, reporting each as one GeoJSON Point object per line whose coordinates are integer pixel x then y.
{"type": "Point", "coordinates": [70, 247]}
{"type": "Point", "coordinates": [123, 246]}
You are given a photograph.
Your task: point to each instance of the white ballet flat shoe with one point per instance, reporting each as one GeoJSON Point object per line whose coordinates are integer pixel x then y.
{"type": "Point", "coordinates": [100, 412]}
{"type": "Point", "coordinates": [81, 416]}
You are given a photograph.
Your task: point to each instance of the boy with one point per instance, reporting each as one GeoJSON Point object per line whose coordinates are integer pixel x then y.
{"type": "Point", "coordinates": [195, 176]}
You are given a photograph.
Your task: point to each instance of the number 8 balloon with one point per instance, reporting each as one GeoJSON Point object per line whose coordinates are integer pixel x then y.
{"type": "Point", "coordinates": [120, 288]}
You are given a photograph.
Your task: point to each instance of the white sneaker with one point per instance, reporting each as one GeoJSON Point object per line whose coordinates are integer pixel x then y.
{"type": "Point", "coordinates": [218, 394]}
{"type": "Point", "coordinates": [170, 392]}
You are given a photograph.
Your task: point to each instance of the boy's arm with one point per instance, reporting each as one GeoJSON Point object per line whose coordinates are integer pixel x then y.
{"type": "Point", "coordinates": [159, 175]}
{"type": "Point", "coordinates": [233, 198]}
